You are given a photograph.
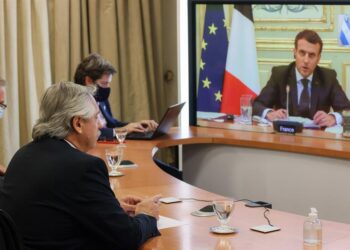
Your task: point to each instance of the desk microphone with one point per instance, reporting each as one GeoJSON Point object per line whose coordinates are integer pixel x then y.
{"type": "Point", "coordinates": [287, 104]}
{"type": "Point", "coordinates": [286, 126]}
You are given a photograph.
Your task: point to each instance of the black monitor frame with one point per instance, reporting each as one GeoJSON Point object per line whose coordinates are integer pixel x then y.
{"type": "Point", "coordinates": [192, 38]}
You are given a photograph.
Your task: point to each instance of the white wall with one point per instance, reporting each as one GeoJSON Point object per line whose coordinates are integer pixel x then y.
{"type": "Point", "coordinates": [291, 182]}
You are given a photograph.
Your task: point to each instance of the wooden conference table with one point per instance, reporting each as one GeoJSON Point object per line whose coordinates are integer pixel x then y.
{"type": "Point", "coordinates": [147, 180]}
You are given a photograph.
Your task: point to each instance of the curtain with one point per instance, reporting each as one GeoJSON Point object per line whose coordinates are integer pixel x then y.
{"type": "Point", "coordinates": [128, 34]}
{"type": "Point", "coordinates": [25, 64]}
{"type": "Point", "coordinates": [42, 42]}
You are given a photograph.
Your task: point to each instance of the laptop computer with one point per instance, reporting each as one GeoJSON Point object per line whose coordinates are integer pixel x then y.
{"type": "Point", "coordinates": [164, 125]}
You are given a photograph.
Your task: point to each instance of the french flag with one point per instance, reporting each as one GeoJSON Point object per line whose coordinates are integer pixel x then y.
{"type": "Point", "coordinates": [241, 74]}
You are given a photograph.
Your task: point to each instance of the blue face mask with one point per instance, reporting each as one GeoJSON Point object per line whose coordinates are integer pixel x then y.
{"type": "Point", "coordinates": [102, 94]}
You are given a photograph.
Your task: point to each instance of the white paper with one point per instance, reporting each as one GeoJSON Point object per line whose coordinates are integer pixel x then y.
{"type": "Point", "coordinates": [169, 200]}
{"type": "Point", "coordinates": [337, 129]}
{"type": "Point", "coordinates": [128, 166]}
{"type": "Point", "coordinates": [208, 115]}
{"type": "Point", "coordinates": [166, 222]}
{"type": "Point", "coordinates": [303, 120]}
{"type": "Point", "coordinates": [307, 123]}
{"type": "Point", "coordinates": [265, 228]}
{"type": "Point", "coordinates": [262, 121]}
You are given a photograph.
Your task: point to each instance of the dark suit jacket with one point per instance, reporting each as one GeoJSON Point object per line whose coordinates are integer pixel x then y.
{"type": "Point", "coordinates": [325, 92]}
{"type": "Point", "coordinates": [106, 111]}
{"type": "Point", "coordinates": [60, 198]}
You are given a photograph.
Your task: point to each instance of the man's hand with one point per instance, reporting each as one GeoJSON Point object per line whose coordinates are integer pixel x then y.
{"type": "Point", "coordinates": [149, 206]}
{"type": "Point", "coordinates": [128, 203]}
{"type": "Point", "coordinates": [276, 114]}
{"type": "Point", "coordinates": [141, 126]}
{"type": "Point", "coordinates": [150, 125]}
{"type": "Point", "coordinates": [323, 119]}
{"type": "Point", "coordinates": [135, 127]}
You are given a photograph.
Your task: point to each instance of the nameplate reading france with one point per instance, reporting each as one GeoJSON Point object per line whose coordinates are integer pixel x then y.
{"type": "Point", "coordinates": [288, 127]}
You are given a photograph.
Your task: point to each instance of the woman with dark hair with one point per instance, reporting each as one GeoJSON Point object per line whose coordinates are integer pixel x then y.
{"type": "Point", "coordinates": [96, 71]}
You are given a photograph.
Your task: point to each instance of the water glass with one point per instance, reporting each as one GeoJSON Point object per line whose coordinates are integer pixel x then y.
{"type": "Point", "coordinates": [114, 157]}
{"type": "Point", "coordinates": [121, 133]}
{"type": "Point", "coordinates": [223, 210]}
{"type": "Point", "coordinates": [246, 109]}
{"type": "Point", "coordinates": [224, 244]}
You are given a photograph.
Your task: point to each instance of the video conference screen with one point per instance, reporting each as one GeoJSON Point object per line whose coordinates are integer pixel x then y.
{"type": "Point", "coordinates": [235, 45]}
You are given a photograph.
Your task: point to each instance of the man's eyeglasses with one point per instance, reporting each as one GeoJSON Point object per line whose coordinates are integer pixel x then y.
{"type": "Point", "coordinates": [3, 106]}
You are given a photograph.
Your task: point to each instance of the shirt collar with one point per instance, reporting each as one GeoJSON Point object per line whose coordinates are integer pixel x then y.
{"type": "Point", "coordinates": [299, 76]}
{"type": "Point", "coordinates": [70, 144]}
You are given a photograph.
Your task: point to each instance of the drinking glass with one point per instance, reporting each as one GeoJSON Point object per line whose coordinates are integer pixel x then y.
{"type": "Point", "coordinates": [114, 156]}
{"type": "Point", "coordinates": [224, 244]}
{"type": "Point", "coordinates": [121, 133]}
{"type": "Point", "coordinates": [223, 210]}
{"type": "Point", "coordinates": [246, 109]}
{"type": "Point", "coordinates": [346, 122]}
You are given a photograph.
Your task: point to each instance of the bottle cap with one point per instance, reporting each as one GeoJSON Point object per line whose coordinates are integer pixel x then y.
{"type": "Point", "coordinates": [313, 213]}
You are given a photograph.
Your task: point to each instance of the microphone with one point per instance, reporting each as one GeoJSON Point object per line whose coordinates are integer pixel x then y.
{"type": "Point", "coordinates": [287, 101]}
{"type": "Point", "coordinates": [286, 126]}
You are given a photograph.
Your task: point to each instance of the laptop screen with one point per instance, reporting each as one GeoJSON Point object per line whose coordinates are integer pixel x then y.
{"type": "Point", "coordinates": [169, 118]}
{"type": "Point", "coordinates": [165, 124]}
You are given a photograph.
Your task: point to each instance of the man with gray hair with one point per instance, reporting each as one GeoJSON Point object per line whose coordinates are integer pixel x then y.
{"type": "Point", "coordinates": [58, 195]}
{"type": "Point", "coordinates": [2, 111]}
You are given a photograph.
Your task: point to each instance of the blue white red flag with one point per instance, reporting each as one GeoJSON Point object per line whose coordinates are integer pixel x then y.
{"type": "Point", "coordinates": [241, 75]}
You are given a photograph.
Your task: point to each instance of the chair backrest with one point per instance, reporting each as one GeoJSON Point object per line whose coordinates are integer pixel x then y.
{"type": "Point", "coordinates": [9, 237]}
{"type": "Point", "coordinates": [168, 168]}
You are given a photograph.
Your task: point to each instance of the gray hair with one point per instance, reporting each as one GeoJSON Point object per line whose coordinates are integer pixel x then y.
{"type": "Point", "coordinates": [59, 105]}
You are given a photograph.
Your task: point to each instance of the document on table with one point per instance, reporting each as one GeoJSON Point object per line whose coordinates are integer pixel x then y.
{"type": "Point", "coordinates": [166, 222]}
{"type": "Point", "coordinates": [337, 129]}
{"type": "Point", "coordinates": [307, 123]}
{"type": "Point", "coordinates": [209, 115]}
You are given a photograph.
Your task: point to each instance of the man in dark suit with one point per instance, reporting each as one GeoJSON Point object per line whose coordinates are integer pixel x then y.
{"type": "Point", "coordinates": [96, 71]}
{"type": "Point", "coordinates": [312, 90]}
{"type": "Point", "coordinates": [58, 195]}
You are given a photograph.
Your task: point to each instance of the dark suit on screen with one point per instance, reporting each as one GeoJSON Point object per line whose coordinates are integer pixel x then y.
{"type": "Point", "coordinates": [326, 92]}
{"type": "Point", "coordinates": [106, 111]}
{"type": "Point", "coordinates": [60, 198]}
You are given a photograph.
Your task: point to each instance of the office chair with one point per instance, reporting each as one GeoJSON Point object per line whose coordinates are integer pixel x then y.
{"type": "Point", "coordinates": [9, 237]}
{"type": "Point", "coordinates": [168, 169]}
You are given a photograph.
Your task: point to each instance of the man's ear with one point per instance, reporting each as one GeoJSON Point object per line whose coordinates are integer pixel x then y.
{"type": "Point", "coordinates": [319, 58]}
{"type": "Point", "coordinates": [88, 81]}
{"type": "Point", "coordinates": [294, 52]}
{"type": "Point", "coordinates": [77, 124]}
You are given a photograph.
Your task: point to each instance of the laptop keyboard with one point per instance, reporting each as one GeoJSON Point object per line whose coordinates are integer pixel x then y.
{"type": "Point", "coordinates": [137, 135]}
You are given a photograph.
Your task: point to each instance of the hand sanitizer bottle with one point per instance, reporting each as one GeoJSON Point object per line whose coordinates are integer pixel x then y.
{"type": "Point", "coordinates": [312, 229]}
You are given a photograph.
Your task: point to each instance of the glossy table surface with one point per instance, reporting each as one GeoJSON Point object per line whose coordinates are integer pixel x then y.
{"type": "Point", "coordinates": [147, 180]}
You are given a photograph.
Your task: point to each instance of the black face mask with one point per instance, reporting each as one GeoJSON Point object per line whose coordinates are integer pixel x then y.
{"type": "Point", "coordinates": [102, 94]}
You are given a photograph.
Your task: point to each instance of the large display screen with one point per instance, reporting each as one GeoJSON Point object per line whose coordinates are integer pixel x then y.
{"type": "Point", "coordinates": [234, 45]}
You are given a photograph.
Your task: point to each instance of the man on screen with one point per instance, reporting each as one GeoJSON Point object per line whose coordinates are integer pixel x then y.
{"type": "Point", "coordinates": [312, 90]}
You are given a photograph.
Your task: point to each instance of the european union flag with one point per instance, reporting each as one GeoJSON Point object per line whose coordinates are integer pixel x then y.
{"type": "Point", "coordinates": [213, 59]}
{"type": "Point", "coordinates": [344, 36]}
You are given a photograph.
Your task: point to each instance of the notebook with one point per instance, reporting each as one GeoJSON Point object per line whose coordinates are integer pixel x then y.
{"type": "Point", "coordinates": [164, 125]}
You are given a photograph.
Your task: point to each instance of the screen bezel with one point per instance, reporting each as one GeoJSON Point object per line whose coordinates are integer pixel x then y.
{"type": "Point", "coordinates": [192, 39]}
